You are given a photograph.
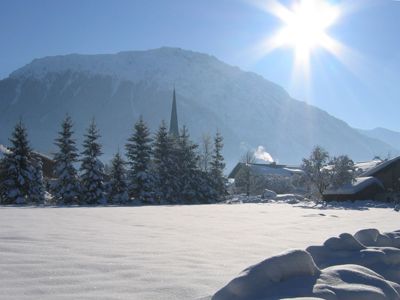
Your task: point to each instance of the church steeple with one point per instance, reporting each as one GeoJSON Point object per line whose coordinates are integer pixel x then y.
{"type": "Point", "coordinates": [173, 125]}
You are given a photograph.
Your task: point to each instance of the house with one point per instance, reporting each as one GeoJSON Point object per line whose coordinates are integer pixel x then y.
{"type": "Point", "coordinates": [381, 178]}
{"type": "Point", "coordinates": [266, 170]}
{"type": "Point", "coordinates": [48, 164]}
{"type": "Point", "coordinates": [254, 178]}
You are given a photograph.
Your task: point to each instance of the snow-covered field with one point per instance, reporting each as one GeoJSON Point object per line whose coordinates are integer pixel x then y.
{"type": "Point", "coordinates": [160, 252]}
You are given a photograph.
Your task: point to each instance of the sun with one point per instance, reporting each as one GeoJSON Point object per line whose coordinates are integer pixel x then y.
{"type": "Point", "coordinates": [305, 26]}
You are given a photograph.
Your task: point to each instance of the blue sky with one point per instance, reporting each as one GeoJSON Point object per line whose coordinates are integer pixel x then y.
{"type": "Point", "coordinates": [365, 93]}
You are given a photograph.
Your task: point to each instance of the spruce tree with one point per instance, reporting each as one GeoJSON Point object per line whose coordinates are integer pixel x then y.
{"type": "Point", "coordinates": [164, 165]}
{"type": "Point", "coordinates": [138, 152]}
{"type": "Point", "coordinates": [3, 177]}
{"type": "Point", "coordinates": [218, 166]}
{"type": "Point", "coordinates": [92, 169]}
{"type": "Point", "coordinates": [66, 186]}
{"type": "Point", "coordinates": [37, 189]}
{"type": "Point", "coordinates": [187, 168]}
{"type": "Point", "coordinates": [17, 168]}
{"type": "Point", "coordinates": [118, 191]}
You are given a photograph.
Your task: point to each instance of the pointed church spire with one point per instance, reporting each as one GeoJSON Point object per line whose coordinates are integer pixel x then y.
{"type": "Point", "coordinates": [173, 125]}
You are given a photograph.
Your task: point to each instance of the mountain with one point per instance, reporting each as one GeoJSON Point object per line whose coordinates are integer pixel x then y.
{"type": "Point", "coordinates": [390, 137]}
{"type": "Point", "coordinates": [116, 89]}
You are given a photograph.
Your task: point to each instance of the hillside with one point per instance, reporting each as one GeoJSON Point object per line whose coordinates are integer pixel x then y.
{"type": "Point", "coordinates": [116, 89]}
{"type": "Point", "coordinates": [390, 137]}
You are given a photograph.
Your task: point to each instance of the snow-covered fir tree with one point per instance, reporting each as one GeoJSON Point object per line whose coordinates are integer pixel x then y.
{"type": "Point", "coordinates": [66, 186]}
{"type": "Point", "coordinates": [118, 190]}
{"type": "Point", "coordinates": [92, 169]}
{"type": "Point", "coordinates": [37, 189]}
{"type": "Point", "coordinates": [164, 165]}
{"type": "Point", "coordinates": [17, 168]}
{"type": "Point", "coordinates": [205, 189]}
{"type": "Point", "coordinates": [217, 166]}
{"type": "Point", "coordinates": [187, 168]}
{"type": "Point", "coordinates": [2, 181]}
{"type": "Point", "coordinates": [138, 153]}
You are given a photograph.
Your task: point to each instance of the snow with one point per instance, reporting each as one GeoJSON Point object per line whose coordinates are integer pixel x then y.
{"type": "Point", "coordinates": [3, 151]}
{"type": "Point", "coordinates": [379, 167]}
{"type": "Point", "coordinates": [156, 252]}
{"type": "Point", "coordinates": [352, 188]}
{"type": "Point", "coordinates": [367, 165]}
{"type": "Point", "coordinates": [342, 268]}
{"type": "Point", "coordinates": [270, 169]}
{"type": "Point", "coordinates": [122, 66]}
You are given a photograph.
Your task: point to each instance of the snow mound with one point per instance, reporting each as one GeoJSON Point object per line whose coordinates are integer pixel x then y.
{"type": "Point", "coordinates": [372, 237]}
{"type": "Point", "coordinates": [342, 268]}
{"type": "Point", "coordinates": [261, 279]}
{"type": "Point", "coordinates": [348, 249]}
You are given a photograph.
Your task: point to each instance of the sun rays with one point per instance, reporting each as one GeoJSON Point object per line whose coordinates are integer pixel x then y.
{"type": "Point", "coordinates": [304, 29]}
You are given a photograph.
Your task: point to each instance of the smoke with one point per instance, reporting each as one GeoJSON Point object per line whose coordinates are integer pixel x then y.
{"type": "Point", "coordinates": [261, 154]}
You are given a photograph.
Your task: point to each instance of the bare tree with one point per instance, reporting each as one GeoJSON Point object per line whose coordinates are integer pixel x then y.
{"type": "Point", "coordinates": [342, 171]}
{"type": "Point", "coordinates": [206, 148]}
{"type": "Point", "coordinates": [315, 169]}
{"type": "Point", "coordinates": [244, 178]}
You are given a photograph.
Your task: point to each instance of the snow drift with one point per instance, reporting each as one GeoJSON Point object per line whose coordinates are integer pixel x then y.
{"type": "Point", "coordinates": [363, 266]}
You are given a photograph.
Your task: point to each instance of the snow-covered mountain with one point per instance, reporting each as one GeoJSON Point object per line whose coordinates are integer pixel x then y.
{"type": "Point", "coordinates": [390, 137]}
{"type": "Point", "coordinates": [116, 89]}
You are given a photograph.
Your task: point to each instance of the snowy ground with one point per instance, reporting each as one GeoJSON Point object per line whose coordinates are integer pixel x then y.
{"type": "Point", "coordinates": [164, 252]}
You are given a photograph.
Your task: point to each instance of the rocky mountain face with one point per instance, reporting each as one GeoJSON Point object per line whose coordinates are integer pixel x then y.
{"type": "Point", "coordinates": [116, 89]}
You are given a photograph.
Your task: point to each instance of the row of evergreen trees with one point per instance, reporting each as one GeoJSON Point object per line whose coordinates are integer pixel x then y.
{"type": "Point", "coordinates": [159, 169]}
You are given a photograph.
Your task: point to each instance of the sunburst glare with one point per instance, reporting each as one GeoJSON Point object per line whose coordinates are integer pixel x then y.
{"type": "Point", "coordinates": [304, 28]}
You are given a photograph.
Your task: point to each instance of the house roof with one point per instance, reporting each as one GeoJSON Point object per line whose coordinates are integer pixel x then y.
{"type": "Point", "coordinates": [373, 171]}
{"type": "Point", "coordinates": [364, 166]}
{"type": "Point", "coordinates": [267, 169]}
{"type": "Point", "coordinates": [355, 187]}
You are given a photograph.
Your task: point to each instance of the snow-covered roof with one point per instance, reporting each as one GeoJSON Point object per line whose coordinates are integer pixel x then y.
{"type": "Point", "coordinates": [268, 169]}
{"type": "Point", "coordinates": [374, 170]}
{"type": "Point", "coordinates": [355, 187]}
{"type": "Point", "coordinates": [3, 150]}
{"type": "Point", "coordinates": [364, 166]}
